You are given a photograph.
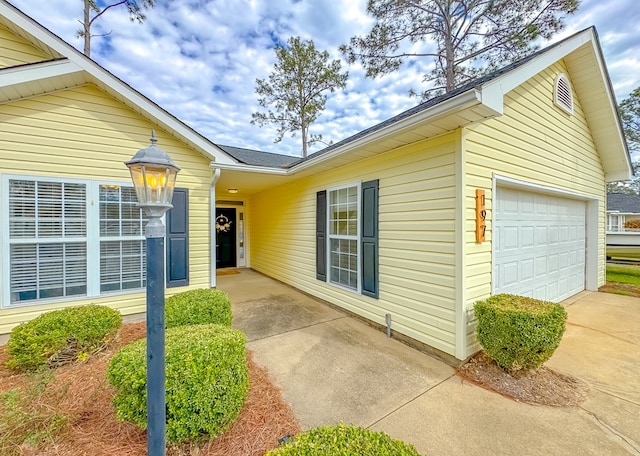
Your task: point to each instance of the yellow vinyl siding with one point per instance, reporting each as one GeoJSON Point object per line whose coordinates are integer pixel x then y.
{"type": "Point", "coordinates": [534, 141]}
{"type": "Point", "coordinates": [417, 202]}
{"type": "Point", "coordinates": [85, 134]}
{"type": "Point", "coordinates": [15, 50]}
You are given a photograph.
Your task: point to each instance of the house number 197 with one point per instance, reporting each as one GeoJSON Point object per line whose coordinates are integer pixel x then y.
{"type": "Point", "coordinates": [481, 216]}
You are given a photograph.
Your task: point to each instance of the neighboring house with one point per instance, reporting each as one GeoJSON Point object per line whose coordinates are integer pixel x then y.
{"type": "Point", "coordinates": [389, 222]}
{"type": "Point", "coordinates": [623, 226]}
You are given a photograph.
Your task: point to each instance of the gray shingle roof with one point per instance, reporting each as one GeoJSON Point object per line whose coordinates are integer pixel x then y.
{"type": "Point", "coordinates": [259, 158]}
{"type": "Point", "coordinates": [623, 202]}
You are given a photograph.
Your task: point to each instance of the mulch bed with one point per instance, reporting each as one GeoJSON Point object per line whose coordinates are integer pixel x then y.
{"type": "Point", "coordinates": [81, 392]}
{"type": "Point", "coordinates": [543, 386]}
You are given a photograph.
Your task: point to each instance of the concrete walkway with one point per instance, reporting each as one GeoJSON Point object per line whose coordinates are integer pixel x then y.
{"type": "Point", "coordinates": [333, 368]}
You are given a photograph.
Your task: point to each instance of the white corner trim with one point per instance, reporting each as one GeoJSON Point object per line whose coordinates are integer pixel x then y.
{"type": "Point", "coordinates": [212, 226]}
{"type": "Point", "coordinates": [461, 313]}
{"type": "Point", "coordinates": [617, 176]}
{"type": "Point", "coordinates": [493, 98]}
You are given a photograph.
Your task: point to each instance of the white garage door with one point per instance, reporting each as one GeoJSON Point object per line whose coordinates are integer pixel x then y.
{"type": "Point", "coordinates": [539, 245]}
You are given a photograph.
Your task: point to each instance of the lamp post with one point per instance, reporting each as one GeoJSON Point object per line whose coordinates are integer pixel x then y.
{"type": "Point", "coordinates": [154, 177]}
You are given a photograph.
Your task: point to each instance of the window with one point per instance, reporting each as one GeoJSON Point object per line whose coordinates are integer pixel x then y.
{"type": "Point", "coordinates": [122, 241]}
{"type": "Point", "coordinates": [47, 239]}
{"type": "Point", "coordinates": [347, 237]}
{"type": "Point", "coordinates": [74, 238]}
{"type": "Point", "coordinates": [344, 237]}
{"type": "Point", "coordinates": [613, 222]}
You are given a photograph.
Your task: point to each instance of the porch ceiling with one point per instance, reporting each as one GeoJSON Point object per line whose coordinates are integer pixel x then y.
{"type": "Point", "coordinates": [247, 183]}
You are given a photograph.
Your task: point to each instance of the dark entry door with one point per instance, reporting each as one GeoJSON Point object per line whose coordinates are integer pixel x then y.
{"type": "Point", "coordinates": [225, 238]}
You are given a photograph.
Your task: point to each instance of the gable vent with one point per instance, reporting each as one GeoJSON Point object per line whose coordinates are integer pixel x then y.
{"type": "Point", "coordinates": [562, 95]}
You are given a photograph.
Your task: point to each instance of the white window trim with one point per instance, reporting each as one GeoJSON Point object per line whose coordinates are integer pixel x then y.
{"type": "Point", "coordinates": [113, 238]}
{"type": "Point", "coordinates": [619, 223]}
{"type": "Point", "coordinates": [92, 239]}
{"type": "Point", "coordinates": [358, 186]}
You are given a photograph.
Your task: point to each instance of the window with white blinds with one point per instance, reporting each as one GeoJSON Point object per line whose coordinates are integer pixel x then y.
{"type": "Point", "coordinates": [47, 239]}
{"type": "Point", "coordinates": [69, 238]}
{"type": "Point", "coordinates": [122, 241]}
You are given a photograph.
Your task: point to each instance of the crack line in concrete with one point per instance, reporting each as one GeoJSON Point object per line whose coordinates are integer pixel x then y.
{"type": "Point", "coordinates": [298, 328]}
{"type": "Point", "coordinates": [410, 401]}
{"type": "Point", "coordinates": [626, 442]}
{"type": "Point", "coordinates": [617, 397]}
{"type": "Point", "coordinates": [602, 332]}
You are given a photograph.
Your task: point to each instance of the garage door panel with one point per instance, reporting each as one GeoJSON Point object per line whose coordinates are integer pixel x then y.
{"type": "Point", "coordinates": [539, 245]}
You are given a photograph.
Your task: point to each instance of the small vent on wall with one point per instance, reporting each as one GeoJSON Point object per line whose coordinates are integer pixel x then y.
{"type": "Point", "coordinates": [562, 94]}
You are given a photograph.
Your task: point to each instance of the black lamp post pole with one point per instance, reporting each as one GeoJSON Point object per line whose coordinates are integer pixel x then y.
{"type": "Point", "coordinates": [156, 408]}
{"type": "Point", "coordinates": [154, 174]}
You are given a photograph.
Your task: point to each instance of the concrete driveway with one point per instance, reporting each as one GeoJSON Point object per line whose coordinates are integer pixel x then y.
{"type": "Point", "coordinates": [333, 368]}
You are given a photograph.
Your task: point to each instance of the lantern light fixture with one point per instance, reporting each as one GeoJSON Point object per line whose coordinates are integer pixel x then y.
{"type": "Point", "coordinates": [153, 174]}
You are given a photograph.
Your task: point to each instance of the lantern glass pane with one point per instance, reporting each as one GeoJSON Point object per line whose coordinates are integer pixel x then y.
{"type": "Point", "coordinates": [138, 182]}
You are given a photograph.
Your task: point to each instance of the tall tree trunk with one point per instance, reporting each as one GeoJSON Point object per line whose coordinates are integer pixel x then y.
{"type": "Point", "coordinates": [86, 25]}
{"type": "Point", "coordinates": [305, 132]}
{"type": "Point", "coordinates": [449, 69]}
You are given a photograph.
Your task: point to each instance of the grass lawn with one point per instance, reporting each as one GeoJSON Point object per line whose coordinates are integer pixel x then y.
{"type": "Point", "coordinates": [622, 279]}
{"type": "Point", "coordinates": [623, 274]}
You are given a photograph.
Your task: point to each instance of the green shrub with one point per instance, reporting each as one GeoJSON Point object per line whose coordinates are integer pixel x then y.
{"type": "Point", "coordinates": [198, 307]}
{"type": "Point", "coordinates": [62, 336]}
{"type": "Point", "coordinates": [519, 332]}
{"type": "Point", "coordinates": [206, 381]}
{"type": "Point", "coordinates": [343, 440]}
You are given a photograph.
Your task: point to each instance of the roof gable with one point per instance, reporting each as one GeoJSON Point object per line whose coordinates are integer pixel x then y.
{"type": "Point", "coordinates": [16, 50]}
{"type": "Point", "coordinates": [71, 68]}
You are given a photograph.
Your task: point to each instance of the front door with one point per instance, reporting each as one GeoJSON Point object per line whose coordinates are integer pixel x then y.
{"type": "Point", "coordinates": [225, 238]}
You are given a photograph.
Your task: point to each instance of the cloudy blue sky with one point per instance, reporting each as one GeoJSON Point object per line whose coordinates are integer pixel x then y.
{"type": "Point", "coordinates": [199, 58]}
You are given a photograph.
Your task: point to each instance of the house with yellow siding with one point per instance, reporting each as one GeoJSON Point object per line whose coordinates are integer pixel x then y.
{"type": "Point", "coordinates": [495, 187]}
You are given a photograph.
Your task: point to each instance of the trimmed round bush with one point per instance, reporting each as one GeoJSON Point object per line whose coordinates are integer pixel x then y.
{"type": "Point", "coordinates": [62, 336]}
{"type": "Point", "coordinates": [517, 332]}
{"type": "Point", "coordinates": [207, 381]}
{"type": "Point", "coordinates": [343, 440]}
{"type": "Point", "coordinates": [198, 307]}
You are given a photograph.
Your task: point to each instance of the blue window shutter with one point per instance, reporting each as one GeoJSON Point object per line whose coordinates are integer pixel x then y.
{"type": "Point", "coordinates": [370, 238]}
{"type": "Point", "coordinates": [178, 239]}
{"type": "Point", "coordinates": [321, 235]}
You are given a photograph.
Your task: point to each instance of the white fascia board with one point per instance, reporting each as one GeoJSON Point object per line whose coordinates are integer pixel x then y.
{"type": "Point", "coordinates": [514, 78]}
{"type": "Point", "coordinates": [37, 71]}
{"type": "Point", "coordinates": [112, 82]}
{"type": "Point", "coordinates": [465, 100]}
{"type": "Point", "coordinates": [249, 168]}
{"type": "Point", "coordinates": [617, 176]}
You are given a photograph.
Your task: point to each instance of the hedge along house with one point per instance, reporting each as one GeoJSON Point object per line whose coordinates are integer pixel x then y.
{"type": "Point", "coordinates": [496, 187]}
